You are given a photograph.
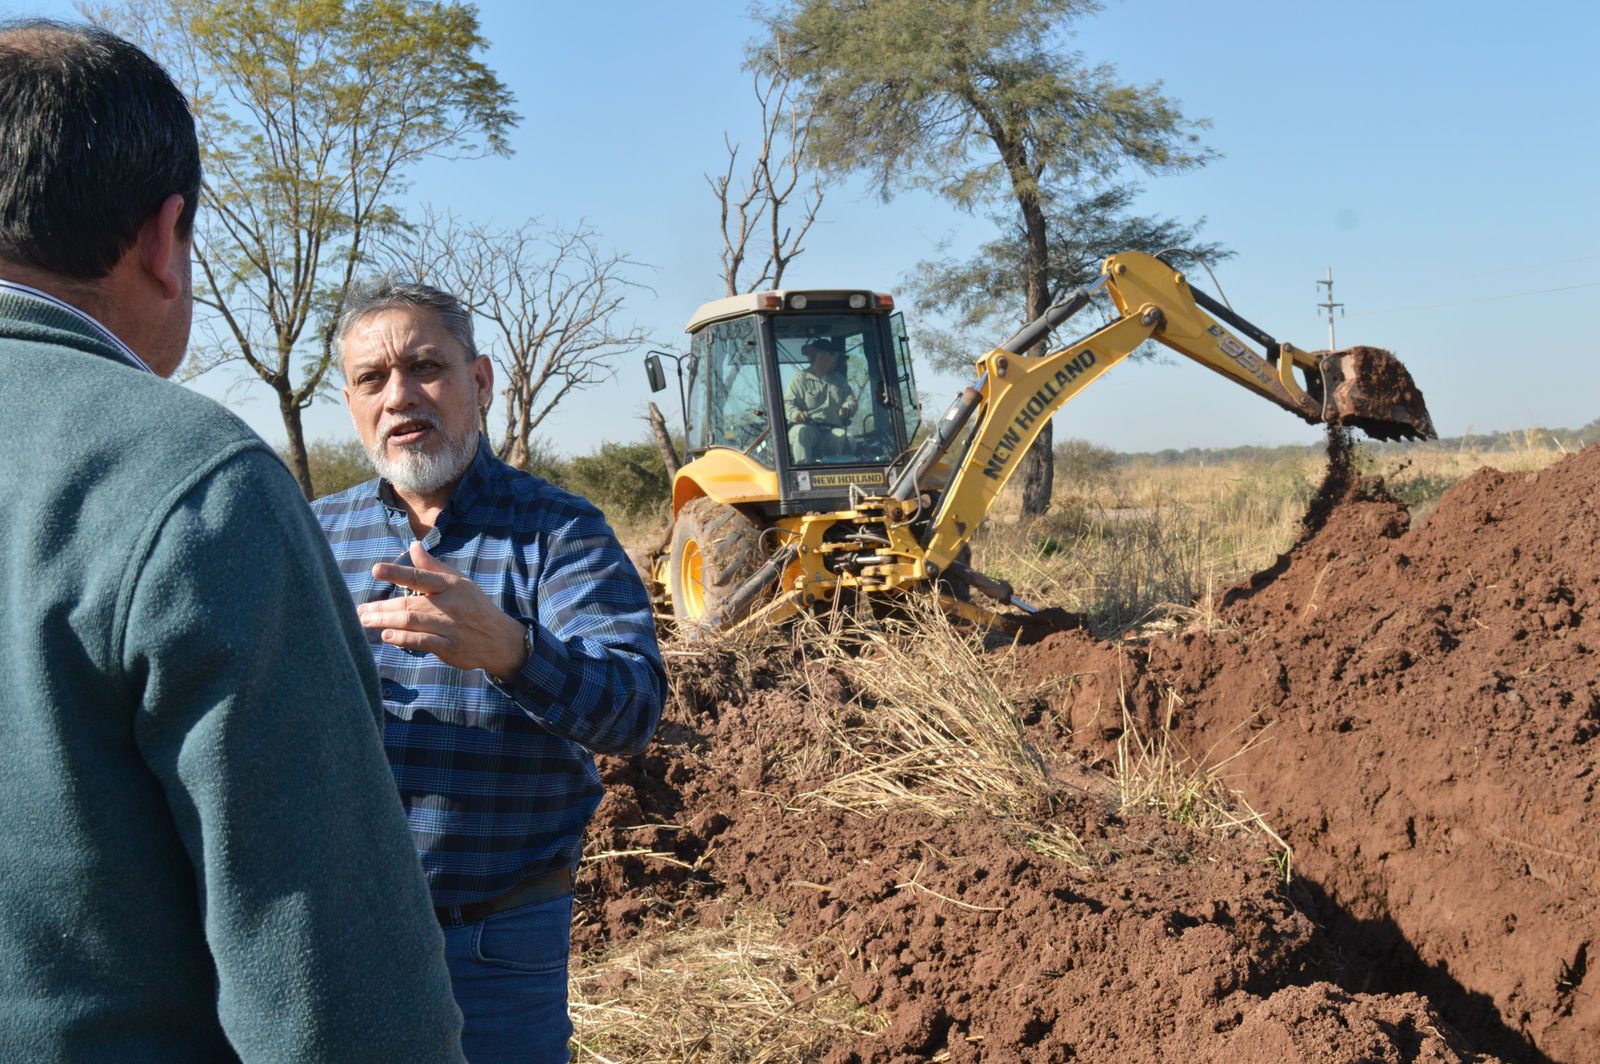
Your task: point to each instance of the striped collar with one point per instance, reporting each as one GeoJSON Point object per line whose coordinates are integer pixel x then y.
{"type": "Point", "coordinates": [123, 350]}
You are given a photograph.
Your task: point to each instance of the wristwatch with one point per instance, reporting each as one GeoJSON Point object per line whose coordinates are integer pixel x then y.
{"type": "Point", "coordinates": [528, 636]}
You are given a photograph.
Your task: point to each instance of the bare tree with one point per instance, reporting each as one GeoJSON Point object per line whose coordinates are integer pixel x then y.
{"type": "Point", "coordinates": [756, 206]}
{"type": "Point", "coordinates": [547, 302]}
{"type": "Point", "coordinates": [663, 438]}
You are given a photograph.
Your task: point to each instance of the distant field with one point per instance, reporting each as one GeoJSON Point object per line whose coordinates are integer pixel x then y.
{"type": "Point", "coordinates": [1128, 535]}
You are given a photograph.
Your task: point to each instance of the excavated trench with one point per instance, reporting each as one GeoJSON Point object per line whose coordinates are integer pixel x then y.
{"type": "Point", "coordinates": [1415, 709]}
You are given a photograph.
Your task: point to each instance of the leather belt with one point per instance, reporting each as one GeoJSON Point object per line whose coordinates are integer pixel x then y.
{"type": "Point", "coordinates": [530, 891]}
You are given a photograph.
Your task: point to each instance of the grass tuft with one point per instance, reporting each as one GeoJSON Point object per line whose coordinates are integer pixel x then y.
{"type": "Point", "coordinates": [929, 724]}
{"type": "Point", "coordinates": [1156, 774]}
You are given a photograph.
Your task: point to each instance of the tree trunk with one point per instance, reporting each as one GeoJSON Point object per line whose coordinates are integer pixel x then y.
{"type": "Point", "coordinates": [299, 464]}
{"type": "Point", "coordinates": [514, 448]}
{"type": "Point", "coordinates": [669, 453]}
{"type": "Point", "coordinates": [516, 455]}
{"type": "Point", "coordinates": [1038, 468]}
{"type": "Point", "coordinates": [1039, 474]}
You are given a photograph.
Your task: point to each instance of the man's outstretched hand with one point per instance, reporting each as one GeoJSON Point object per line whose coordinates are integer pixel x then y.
{"type": "Point", "coordinates": [446, 615]}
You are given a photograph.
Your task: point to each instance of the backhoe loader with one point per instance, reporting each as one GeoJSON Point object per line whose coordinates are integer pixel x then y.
{"type": "Point", "coordinates": [800, 409]}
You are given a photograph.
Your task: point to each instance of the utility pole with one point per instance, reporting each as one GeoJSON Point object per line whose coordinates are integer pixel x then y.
{"type": "Point", "coordinates": [1329, 306]}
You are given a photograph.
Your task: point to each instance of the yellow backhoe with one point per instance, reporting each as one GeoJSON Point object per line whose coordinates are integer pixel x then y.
{"type": "Point", "coordinates": [800, 409]}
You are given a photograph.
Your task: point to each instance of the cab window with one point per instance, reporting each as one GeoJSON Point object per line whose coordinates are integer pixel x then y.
{"type": "Point", "coordinates": [734, 414]}
{"type": "Point", "coordinates": [910, 402]}
{"type": "Point", "coordinates": [831, 375]}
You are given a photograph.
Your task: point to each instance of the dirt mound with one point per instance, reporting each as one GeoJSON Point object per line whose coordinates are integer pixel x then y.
{"type": "Point", "coordinates": [976, 946]}
{"type": "Point", "coordinates": [970, 942]}
{"type": "Point", "coordinates": [1418, 709]}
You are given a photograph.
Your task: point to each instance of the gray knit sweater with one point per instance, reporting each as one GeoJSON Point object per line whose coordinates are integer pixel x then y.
{"type": "Point", "coordinates": [202, 854]}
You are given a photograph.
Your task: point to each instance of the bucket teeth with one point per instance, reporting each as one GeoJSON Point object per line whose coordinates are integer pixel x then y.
{"type": "Point", "coordinates": [1369, 389]}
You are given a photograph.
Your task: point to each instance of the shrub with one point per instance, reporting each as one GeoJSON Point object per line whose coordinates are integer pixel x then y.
{"type": "Point", "coordinates": [336, 466]}
{"type": "Point", "coordinates": [625, 480]}
{"type": "Point", "coordinates": [1084, 465]}
{"type": "Point", "coordinates": [545, 463]}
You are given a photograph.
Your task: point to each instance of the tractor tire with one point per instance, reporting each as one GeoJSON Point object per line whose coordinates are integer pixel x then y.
{"type": "Point", "coordinates": [714, 549]}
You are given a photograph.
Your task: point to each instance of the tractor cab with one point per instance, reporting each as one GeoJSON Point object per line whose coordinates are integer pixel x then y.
{"type": "Point", "coordinates": [812, 391]}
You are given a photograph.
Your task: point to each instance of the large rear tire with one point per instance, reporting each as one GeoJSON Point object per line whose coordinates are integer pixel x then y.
{"type": "Point", "coordinates": [714, 549]}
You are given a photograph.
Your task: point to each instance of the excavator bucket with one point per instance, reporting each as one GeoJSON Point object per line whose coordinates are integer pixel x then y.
{"type": "Point", "coordinates": [1369, 389]}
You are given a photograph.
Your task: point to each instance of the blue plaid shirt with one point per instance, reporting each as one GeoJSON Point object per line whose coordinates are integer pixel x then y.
{"type": "Point", "coordinates": [499, 780]}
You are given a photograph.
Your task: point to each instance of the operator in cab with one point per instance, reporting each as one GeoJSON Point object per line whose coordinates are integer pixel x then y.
{"type": "Point", "coordinates": [819, 403]}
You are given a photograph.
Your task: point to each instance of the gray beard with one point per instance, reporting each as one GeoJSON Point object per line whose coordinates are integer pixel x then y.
{"type": "Point", "coordinates": [421, 473]}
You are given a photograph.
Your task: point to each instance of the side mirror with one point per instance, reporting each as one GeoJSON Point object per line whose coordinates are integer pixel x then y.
{"type": "Point", "coordinates": [657, 375]}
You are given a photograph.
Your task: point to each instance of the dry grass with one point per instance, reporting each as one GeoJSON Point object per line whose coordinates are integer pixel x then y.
{"type": "Point", "coordinates": [736, 994]}
{"type": "Point", "coordinates": [932, 726]}
{"type": "Point", "coordinates": [1119, 549]}
{"type": "Point", "coordinates": [1156, 774]}
{"type": "Point", "coordinates": [1128, 544]}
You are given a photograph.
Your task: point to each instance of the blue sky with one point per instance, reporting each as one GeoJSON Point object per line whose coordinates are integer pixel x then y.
{"type": "Point", "coordinates": [1440, 157]}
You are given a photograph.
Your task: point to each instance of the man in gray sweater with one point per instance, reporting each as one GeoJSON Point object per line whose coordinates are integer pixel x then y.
{"type": "Point", "coordinates": [202, 856]}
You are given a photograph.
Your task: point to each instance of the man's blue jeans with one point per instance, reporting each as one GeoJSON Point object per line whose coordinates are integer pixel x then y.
{"type": "Point", "coordinates": [509, 974]}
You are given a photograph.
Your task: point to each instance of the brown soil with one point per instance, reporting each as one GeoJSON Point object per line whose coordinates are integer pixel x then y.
{"type": "Point", "coordinates": [968, 941]}
{"type": "Point", "coordinates": [1419, 708]}
{"type": "Point", "coordinates": [1381, 376]}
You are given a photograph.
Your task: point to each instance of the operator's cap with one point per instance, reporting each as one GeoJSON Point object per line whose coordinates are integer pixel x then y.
{"type": "Point", "coordinates": [831, 344]}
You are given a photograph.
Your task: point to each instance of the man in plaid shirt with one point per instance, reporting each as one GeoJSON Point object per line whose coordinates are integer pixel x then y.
{"type": "Point", "coordinates": [513, 639]}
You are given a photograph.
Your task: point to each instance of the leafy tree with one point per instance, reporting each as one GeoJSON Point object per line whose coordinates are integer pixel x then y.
{"type": "Point", "coordinates": [980, 292]}
{"type": "Point", "coordinates": [1085, 464]}
{"type": "Point", "coordinates": [310, 114]}
{"type": "Point", "coordinates": [980, 102]}
{"type": "Point", "coordinates": [336, 465]}
{"type": "Point", "coordinates": [623, 479]}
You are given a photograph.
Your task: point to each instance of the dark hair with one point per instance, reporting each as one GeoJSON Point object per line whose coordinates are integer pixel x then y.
{"type": "Point", "coordinates": [389, 293]}
{"type": "Point", "coordinates": [97, 137]}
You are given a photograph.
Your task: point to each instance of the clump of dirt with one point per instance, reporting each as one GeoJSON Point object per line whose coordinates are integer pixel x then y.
{"type": "Point", "coordinates": [1381, 376]}
{"type": "Point", "coordinates": [1417, 710]}
{"type": "Point", "coordinates": [1373, 391]}
{"type": "Point", "coordinates": [1322, 1022]}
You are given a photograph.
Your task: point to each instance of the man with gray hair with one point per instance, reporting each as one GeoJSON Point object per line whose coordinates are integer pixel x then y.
{"type": "Point", "coordinates": [202, 860]}
{"type": "Point", "coordinates": [514, 640]}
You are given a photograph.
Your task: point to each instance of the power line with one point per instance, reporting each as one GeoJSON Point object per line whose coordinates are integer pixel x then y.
{"type": "Point", "coordinates": [1480, 299]}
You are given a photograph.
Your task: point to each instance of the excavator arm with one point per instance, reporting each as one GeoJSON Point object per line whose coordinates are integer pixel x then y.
{"type": "Point", "coordinates": [1016, 395]}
